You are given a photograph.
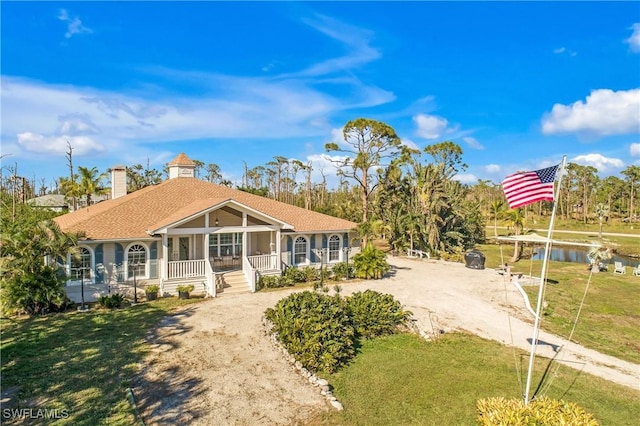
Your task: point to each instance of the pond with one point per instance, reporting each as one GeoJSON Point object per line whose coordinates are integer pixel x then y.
{"type": "Point", "coordinates": [565, 254]}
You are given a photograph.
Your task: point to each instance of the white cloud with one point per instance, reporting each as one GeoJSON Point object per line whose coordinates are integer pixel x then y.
{"type": "Point", "coordinates": [634, 39]}
{"type": "Point", "coordinates": [324, 165]}
{"type": "Point", "coordinates": [492, 168]}
{"type": "Point", "coordinates": [600, 162]}
{"type": "Point", "coordinates": [409, 143]}
{"type": "Point", "coordinates": [432, 126]}
{"type": "Point", "coordinates": [564, 50]}
{"type": "Point", "coordinates": [82, 145]}
{"type": "Point", "coordinates": [604, 113]}
{"type": "Point", "coordinates": [634, 150]}
{"type": "Point", "coordinates": [74, 25]}
{"type": "Point", "coordinates": [466, 178]}
{"type": "Point", "coordinates": [473, 143]}
{"type": "Point", "coordinates": [356, 39]}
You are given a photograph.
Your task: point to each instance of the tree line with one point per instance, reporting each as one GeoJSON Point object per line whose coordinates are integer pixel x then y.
{"type": "Point", "coordinates": [408, 197]}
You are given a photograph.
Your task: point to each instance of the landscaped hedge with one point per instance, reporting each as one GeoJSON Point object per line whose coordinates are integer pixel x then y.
{"type": "Point", "coordinates": [541, 412]}
{"type": "Point", "coordinates": [322, 331]}
{"type": "Point", "coordinates": [375, 314]}
{"type": "Point", "coordinates": [315, 329]}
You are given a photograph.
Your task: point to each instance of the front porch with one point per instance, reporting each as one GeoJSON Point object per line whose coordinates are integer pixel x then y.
{"type": "Point", "coordinates": [214, 275]}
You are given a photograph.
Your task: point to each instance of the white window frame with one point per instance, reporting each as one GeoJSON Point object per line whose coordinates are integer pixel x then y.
{"type": "Point", "coordinates": [92, 261]}
{"type": "Point", "coordinates": [146, 261]}
{"type": "Point", "coordinates": [339, 250]}
{"type": "Point", "coordinates": [307, 257]}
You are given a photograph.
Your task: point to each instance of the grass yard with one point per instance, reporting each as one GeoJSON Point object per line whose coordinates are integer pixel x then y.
{"type": "Point", "coordinates": [610, 318]}
{"type": "Point", "coordinates": [79, 362]}
{"type": "Point", "coordinates": [404, 380]}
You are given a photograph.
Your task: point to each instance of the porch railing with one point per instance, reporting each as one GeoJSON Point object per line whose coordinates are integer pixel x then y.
{"type": "Point", "coordinates": [249, 273]}
{"type": "Point", "coordinates": [187, 268]}
{"type": "Point", "coordinates": [263, 262]}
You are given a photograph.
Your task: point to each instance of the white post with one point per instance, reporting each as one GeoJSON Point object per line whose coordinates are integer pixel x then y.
{"type": "Point", "coordinates": [543, 274]}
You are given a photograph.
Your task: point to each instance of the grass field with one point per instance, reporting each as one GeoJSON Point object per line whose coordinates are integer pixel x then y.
{"type": "Point", "coordinates": [609, 320]}
{"type": "Point", "coordinates": [79, 362]}
{"type": "Point", "coordinates": [404, 380]}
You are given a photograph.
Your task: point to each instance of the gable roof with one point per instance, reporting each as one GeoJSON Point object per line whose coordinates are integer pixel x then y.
{"type": "Point", "coordinates": [148, 209]}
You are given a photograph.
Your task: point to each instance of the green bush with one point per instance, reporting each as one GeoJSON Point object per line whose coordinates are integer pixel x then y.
{"type": "Point", "coordinates": [322, 331]}
{"type": "Point", "coordinates": [375, 314]}
{"type": "Point", "coordinates": [315, 329]}
{"type": "Point", "coordinates": [370, 263]}
{"type": "Point", "coordinates": [293, 275]}
{"type": "Point", "coordinates": [153, 288]}
{"type": "Point", "coordinates": [311, 274]}
{"type": "Point", "coordinates": [340, 270]}
{"type": "Point", "coordinates": [541, 412]}
{"type": "Point", "coordinates": [111, 301]}
{"type": "Point", "coordinates": [270, 281]}
{"type": "Point", "coordinates": [34, 293]}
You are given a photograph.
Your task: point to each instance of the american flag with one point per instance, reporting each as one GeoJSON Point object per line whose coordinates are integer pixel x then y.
{"type": "Point", "coordinates": [528, 187]}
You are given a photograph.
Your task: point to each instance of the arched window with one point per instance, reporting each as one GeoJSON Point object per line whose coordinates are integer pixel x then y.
{"type": "Point", "coordinates": [137, 261]}
{"type": "Point", "coordinates": [81, 265]}
{"type": "Point", "coordinates": [300, 250]}
{"type": "Point", "coordinates": [334, 248]}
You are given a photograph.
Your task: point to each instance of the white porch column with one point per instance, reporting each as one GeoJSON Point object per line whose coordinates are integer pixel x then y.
{"type": "Point", "coordinates": [165, 258]}
{"type": "Point", "coordinates": [278, 250]}
{"type": "Point", "coordinates": [205, 241]}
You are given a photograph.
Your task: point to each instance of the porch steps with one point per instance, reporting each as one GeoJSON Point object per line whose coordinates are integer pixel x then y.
{"type": "Point", "coordinates": [233, 282]}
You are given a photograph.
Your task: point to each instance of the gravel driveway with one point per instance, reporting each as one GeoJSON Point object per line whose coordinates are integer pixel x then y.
{"type": "Point", "coordinates": [211, 363]}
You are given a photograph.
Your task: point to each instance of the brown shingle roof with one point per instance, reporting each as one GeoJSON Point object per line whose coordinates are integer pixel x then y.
{"type": "Point", "coordinates": [160, 205]}
{"type": "Point", "coordinates": [182, 160]}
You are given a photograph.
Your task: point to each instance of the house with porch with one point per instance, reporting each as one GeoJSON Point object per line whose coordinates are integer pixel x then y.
{"type": "Point", "coordinates": [188, 231]}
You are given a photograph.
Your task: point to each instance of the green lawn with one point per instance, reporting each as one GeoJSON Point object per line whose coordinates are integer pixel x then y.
{"type": "Point", "coordinates": [404, 380]}
{"type": "Point", "coordinates": [609, 321]}
{"type": "Point", "coordinates": [80, 362]}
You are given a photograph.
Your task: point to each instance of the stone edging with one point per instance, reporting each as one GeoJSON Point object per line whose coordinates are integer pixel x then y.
{"type": "Point", "coordinates": [322, 384]}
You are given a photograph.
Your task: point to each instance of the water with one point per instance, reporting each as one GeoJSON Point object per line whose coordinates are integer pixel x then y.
{"type": "Point", "coordinates": [563, 254]}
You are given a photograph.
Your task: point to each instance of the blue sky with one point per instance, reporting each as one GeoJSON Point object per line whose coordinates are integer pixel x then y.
{"type": "Point", "coordinates": [515, 84]}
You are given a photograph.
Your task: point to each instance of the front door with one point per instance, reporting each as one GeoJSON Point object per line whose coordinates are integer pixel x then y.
{"type": "Point", "coordinates": [179, 248]}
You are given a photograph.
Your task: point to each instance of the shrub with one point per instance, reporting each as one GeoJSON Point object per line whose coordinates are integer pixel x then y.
{"type": "Point", "coordinates": [111, 301]}
{"type": "Point", "coordinates": [315, 329]}
{"type": "Point", "coordinates": [542, 411]}
{"type": "Point", "coordinates": [375, 314]}
{"type": "Point", "coordinates": [370, 263]}
{"type": "Point", "coordinates": [270, 281]}
{"type": "Point", "coordinates": [153, 288]}
{"type": "Point", "coordinates": [311, 274]}
{"type": "Point", "coordinates": [294, 275]}
{"type": "Point", "coordinates": [34, 293]}
{"type": "Point", "coordinates": [340, 270]}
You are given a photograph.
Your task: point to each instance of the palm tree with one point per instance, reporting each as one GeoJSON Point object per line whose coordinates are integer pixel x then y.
{"type": "Point", "coordinates": [496, 209]}
{"type": "Point", "coordinates": [602, 210]}
{"type": "Point", "coordinates": [90, 183]}
{"type": "Point", "coordinates": [516, 219]}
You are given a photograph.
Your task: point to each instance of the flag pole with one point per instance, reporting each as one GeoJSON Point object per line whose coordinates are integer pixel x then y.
{"type": "Point", "coordinates": [543, 274]}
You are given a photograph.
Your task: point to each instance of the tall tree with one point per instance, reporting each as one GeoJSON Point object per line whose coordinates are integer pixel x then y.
{"type": "Point", "coordinates": [91, 183]}
{"type": "Point", "coordinates": [516, 219]}
{"type": "Point", "coordinates": [632, 173]}
{"type": "Point", "coordinates": [368, 143]}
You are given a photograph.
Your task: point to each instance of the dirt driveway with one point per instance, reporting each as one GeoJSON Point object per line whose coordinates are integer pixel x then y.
{"type": "Point", "coordinates": [212, 363]}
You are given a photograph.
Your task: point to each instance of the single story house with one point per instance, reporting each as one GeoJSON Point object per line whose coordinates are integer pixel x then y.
{"type": "Point", "coordinates": [188, 231]}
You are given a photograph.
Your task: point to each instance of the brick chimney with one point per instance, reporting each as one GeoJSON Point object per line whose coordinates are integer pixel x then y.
{"type": "Point", "coordinates": [118, 181]}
